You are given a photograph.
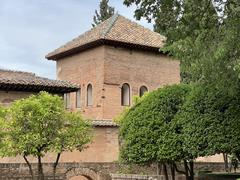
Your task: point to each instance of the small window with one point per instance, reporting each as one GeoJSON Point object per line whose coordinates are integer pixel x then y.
{"type": "Point", "coordinates": [125, 93]}
{"type": "Point", "coordinates": [89, 95]}
{"type": "Point", "coordinates": [142, 90]}
{"type": "Point", "coordinates": [67, 100]}
{"type": "Point", "coordinates": [78, 98]}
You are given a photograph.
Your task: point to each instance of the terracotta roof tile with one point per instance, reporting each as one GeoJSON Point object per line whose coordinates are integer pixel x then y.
{"type": "Point", "coordinates": [118, 29]}
{"type": "Point", "coordinates": [104, 123]}
{"type": "Point", "coordinates": [25, 81]}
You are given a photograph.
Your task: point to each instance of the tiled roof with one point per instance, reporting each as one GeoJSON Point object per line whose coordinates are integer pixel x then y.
{"type": "Point", "coordinates": [25, 81]}
{"type": "Point", "coordinates": [104, 123]}
{"type": "Point", "coordinates": [115, 29]}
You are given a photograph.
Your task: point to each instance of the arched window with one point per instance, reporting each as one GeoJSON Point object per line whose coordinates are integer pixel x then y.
{"type": "Point", "coordinates": [67, 100]}
{"type": "Point", "coordinates": [78, 98]}
{"type": "Point", "coordinates": [89, 95]}
{"type": "Point", "coordinates": [125, 93]}
{"type": "Point", "coordinates": [142, 90]}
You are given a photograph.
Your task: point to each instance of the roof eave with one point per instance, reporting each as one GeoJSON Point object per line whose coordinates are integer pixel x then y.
{"type": "Point", "coordinates": [74, 50]}
{"type": "Point", "coordinates": [36, 88]}
{"type": "Point", "coordinates": [99, 42]}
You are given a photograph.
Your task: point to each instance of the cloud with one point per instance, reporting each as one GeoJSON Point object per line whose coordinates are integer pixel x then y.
{"type": "Point", "coordinates": [31, 29]}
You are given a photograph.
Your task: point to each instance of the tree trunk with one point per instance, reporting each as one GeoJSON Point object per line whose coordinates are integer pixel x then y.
{"type": "Point", "coordinates": [55, 165]}
{"type": "Point", "coordinates": [40, 169]}
{"type": "Point", "coordinates": [186, 170]}
{"type": "Point", "coordinates": [177, 170]}
{"type": "Point", "coordinates": [225, 157]}
{"type": "Point", "coordinates": [173, 171]}
{"type": "Point", "coordinates": [165, 171]}
{"type": "Point", "coordinates": [29, 166]}
{"type": "Point", "coordinates": [191, 170]}
{"type": "Point", "coordinates": [159, 168]}
{"type": "Point", "coordinates": [238, 156]}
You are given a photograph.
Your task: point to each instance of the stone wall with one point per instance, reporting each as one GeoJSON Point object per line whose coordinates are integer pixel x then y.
{"type": "Point", "coordinates": [142, 177]}
{"type": "Point", "coordinates": [118, 172]}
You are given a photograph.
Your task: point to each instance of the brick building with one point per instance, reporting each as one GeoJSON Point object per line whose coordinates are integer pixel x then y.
{"type": "Point", "coordinates": [107, 66]}
{"type": "Point", "coordinates": [112, 62]}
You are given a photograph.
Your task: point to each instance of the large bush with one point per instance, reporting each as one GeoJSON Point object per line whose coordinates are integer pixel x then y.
{"type": "Point", "coordinates": [148, 131]}
{"type": "Point", "coordinates": [210, 119]}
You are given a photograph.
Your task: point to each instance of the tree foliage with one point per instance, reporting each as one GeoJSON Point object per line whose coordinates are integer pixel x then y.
{"type": "Point", "coordinates": [40, 124]}
{"type": "Point", "coordinates": [148, 131]}
{"type": "Point", "coordinates": [210, 122]}
{"type": "Point", "coordinates": [105, 12]}
{"type": "Point", "coordinates": [2, 127]}
{"type": "Point", "coordinates": [199, 33]}
{"type": "Point", "coordinates": [204, 36]}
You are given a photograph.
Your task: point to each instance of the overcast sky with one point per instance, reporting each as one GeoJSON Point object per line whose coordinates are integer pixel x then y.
{"type": "Point", "coordinates": [31, 28]}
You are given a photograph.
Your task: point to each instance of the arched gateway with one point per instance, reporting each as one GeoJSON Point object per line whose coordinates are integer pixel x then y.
{"type": "Point", "coordinates": [88, 173]}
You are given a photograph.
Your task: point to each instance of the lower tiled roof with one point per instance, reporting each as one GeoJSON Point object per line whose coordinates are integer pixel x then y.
{"type": "Point", "coordinates": [104, 123]}
{"type": "Point", "coordinates": [25, 81]}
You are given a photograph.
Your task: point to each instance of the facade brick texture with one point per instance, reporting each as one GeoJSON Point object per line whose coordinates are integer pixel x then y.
{"type": "Point", "coordinates": [107, 68]}
{"type": "Point", "coordinates": [7, 97]}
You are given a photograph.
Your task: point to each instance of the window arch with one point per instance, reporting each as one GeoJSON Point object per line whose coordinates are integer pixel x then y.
{"type": "Point", "coordinates": [142, 90]}
{"type": "Point", "coordinates": [125, 95]}
{"type": "Point", "coordinates": [78, 98]}
{"type": "Point", "coordinates": [67, 102]}
{"type": "Point", "coordinates": [89, 95]}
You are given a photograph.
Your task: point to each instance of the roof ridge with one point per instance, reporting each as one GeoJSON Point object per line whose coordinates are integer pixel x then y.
{"type": "Point", "coordinates": [32, 74]}
{"type": "Point", "coordinates": [110, 25]}
{"type": "Point", "coordinates": [17, 71]}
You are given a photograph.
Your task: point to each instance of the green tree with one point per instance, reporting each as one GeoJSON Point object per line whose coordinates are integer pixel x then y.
{"type": "Point", "coordinates": [105, 12]}
{"type": "Point", "coordinates": [197, 32]}
{"type": "Point", "coordinates": [210, 122]}
{"type": "Point", "coordinates": [75, 135]}
{"type": "Point", "coordinates": [148, 131]}
{"type": "Point", "coordinates": [204, 36]}
{"type": "Point", "coordinates": [39, 124]}
{"type": "Point", "coordinates": [2, 128]}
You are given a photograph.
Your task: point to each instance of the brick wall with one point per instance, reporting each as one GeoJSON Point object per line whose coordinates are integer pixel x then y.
{"type": "Point", "coordinates": [137, 68]}
{"type": "Point", "coordinates": [107, 68]}
{"type": "Point", "coordinates": [7, 97]}
{"type": "Point", "coordinates": [84, 68]}
{"type": "Point", "coordinates": [104, 148]}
